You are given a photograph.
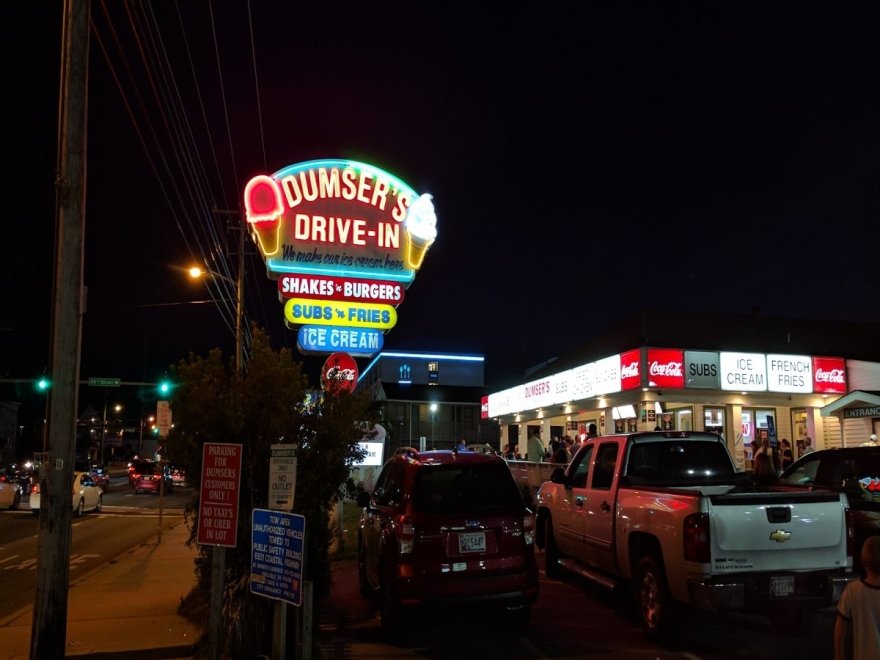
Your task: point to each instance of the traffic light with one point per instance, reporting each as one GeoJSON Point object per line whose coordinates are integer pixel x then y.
{"type": "Point", "coordinates": [43, 384]}
{"type": "Point", "coordinates": [164, 387]}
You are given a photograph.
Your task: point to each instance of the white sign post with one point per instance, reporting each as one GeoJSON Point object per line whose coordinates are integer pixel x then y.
{"type": "Point", "coordinates": [282, 477]}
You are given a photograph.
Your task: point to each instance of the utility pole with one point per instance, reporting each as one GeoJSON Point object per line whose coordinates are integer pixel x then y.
{"type": "Point", "coordinates": [49, 628]}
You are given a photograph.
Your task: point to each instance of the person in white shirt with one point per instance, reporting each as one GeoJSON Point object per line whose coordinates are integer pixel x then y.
{"type": "Point", "coordinates": [858, 611]}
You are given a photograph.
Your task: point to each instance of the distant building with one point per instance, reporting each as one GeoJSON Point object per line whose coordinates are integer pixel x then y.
{"type": "Point", "coordinates": [428, 399]}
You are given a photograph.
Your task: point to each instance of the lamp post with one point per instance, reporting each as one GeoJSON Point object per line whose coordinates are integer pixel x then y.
{"type": "Point", "coordinates": [196, 272]}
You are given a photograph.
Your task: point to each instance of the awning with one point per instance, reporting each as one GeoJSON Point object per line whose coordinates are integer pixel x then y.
{"type": "Point", "coordinates": [855, 404]}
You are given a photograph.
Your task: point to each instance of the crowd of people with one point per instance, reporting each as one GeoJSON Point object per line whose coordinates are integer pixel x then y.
{"type": "Point", "coordinates": [560, 449]}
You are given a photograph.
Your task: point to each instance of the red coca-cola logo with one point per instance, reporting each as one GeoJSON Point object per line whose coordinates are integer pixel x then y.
{"type": "Point", "coordinates": [339, 374]}
{"type": "Point", "coordinates": [665, 368]}
{"type": "Point", "coordinates": [668, 369]}
{"type": "Point", "coordinates": [829, 375]}
{"type": "Point", "coordinates": [630, 369]}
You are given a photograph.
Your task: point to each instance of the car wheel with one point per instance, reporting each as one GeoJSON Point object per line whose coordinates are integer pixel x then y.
{"type": "Point", "coordinates": [652, 598]}
{"type": "Point", "coordinates": [80, 508]}
{"type": "Point", "coordinates": [100, 503]}
{"type": "Point", "coordinates": [551, 551]}
{"type": "Point", "coordinates": [16, 501]}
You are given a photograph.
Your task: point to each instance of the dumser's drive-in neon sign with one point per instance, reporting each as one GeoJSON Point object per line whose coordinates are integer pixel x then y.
{"type": "Point", "coordinates": [339, 230]}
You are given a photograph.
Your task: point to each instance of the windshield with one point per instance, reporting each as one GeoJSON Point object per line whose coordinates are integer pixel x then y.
{"type": "Point", "coordinates": [469, 488]}
{"type": "Point", "coordinates": [677, 461]}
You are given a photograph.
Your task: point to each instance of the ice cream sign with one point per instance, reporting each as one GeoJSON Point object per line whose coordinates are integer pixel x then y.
{"type": "Point", "coordinates": [340, 218]}
{"type": "Point", "coordinates": [344, 240]}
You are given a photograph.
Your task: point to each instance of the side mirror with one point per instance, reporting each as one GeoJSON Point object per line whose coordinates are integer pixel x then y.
{"type": "Point", "coordinates": [363, 499]}
{"type": "Point", "coordinates": [558, 475]}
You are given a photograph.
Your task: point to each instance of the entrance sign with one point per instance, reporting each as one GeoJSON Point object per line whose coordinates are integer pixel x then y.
{"type": "Point", "coordinates": [277, 543]}
{"type": "Point", "coordinates": [218, 500]}
{"type": "Point", "coordinates": [282, 477]}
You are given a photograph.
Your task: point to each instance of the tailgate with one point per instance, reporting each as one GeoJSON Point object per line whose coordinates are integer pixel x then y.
{"type": "Point", "coordinates": [777, 531]}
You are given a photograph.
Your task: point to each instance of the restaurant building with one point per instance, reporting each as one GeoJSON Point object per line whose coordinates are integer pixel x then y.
{"type": "Point", "coordinates": [754, 378]}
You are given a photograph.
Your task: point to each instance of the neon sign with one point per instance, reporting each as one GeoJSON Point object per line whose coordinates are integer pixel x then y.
{"type": "Point", "coordinates": [340, 218]}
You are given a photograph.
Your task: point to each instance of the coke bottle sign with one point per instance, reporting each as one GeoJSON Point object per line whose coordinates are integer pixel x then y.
{"type": "Point", "coordinates": [339, 373]}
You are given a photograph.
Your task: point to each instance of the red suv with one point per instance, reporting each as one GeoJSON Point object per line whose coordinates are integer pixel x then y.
{"type": "Point", "coordinates": [447, 528]}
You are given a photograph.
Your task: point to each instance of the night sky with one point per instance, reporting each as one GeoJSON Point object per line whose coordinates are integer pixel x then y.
{"type": "Point", "coordinates": [587, 161]}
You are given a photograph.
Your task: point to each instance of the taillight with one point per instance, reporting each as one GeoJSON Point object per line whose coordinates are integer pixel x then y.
{"type": "Point", "coordinates": [696, 538]}
{"type": "Point", "coordinates": [850, 534]}
{"type": "Point", "coordinates": [529, 528]}
{"type": "Point", "coordinates": [405, 535]}
{"type": "Point", "coordinates": [36, 488]}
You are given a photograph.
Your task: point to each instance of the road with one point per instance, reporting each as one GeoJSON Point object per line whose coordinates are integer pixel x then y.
{"type": "Point", "coordinates": [572, 619]}
{"type": "Point", "coordinates": [127, 521]}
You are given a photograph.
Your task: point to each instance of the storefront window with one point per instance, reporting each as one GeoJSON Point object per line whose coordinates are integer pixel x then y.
{"type": "Point", "coordinates": [684, 419]}
{"type": "Point", "coordinates": [713, 420]}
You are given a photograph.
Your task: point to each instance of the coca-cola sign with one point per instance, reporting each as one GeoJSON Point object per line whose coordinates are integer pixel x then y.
{"type": "Point", "coordinates": [630, 369]}
{"type": "Point", "coordinates": [829, 375]}
{"type": "Point", "coordinates": [339, 374]}
{"type": "Point", "coordinates": [665, 368]}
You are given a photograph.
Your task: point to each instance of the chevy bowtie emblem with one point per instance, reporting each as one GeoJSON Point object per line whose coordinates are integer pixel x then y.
{"type": "Point", "coordinates": [780, 536]}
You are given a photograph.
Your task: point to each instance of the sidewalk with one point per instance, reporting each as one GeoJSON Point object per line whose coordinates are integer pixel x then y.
{"type": "Point", "coordinates": [125, 609]}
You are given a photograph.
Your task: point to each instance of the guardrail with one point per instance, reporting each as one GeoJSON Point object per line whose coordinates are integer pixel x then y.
{"type": "Point", "coordinates": [531, 474]}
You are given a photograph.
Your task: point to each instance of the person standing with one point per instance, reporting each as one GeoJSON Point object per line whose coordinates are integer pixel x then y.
{"type": "Point", "coordinates": [871, 442]}
{"type": "Point", "coordinates": [858, 610]}
{"type": "Point", "coordinates": [808, 445]}
{"type": "Point", "coordinates": [786, 457]}
{"type": "Point", "coordinates": [535, 448]}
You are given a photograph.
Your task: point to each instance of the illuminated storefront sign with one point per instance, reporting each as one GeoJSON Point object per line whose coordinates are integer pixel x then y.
{"type": "Point", "coordinates": [829, 375]}
{"type": "Point", "coordinates": [359, 342]}
{"type": "Point", "coordinates": [665, 368]}
{"type": "Point", "coordinates": [631, 369]}
{"type": "Point", "coordinates": [340, 288]}
{"type": "Point", "coordinates": [702, 370]}
{"type": "Point", "coordinates": [790, 373]}
{"type": "Point", "coordinates": [301, 311]}
{"type": "Point", "coordinates": [340, 218]}
{"type": "Point", "coordinates": [743, 372]}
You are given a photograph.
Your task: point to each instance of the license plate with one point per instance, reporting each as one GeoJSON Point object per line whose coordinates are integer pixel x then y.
{"type": "Point", "coordinates": [472, 542]}
{"type": "Point", "coordinates": [782, 585]}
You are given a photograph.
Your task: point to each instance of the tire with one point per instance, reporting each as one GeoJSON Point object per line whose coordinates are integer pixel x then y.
{"type": "Point", "coordinates": [100, 503]}
{"type": "Point", "coordinates": [80, 508]}
{"type": "Point", "coordinates": [652, 598]}
{"type": "Point", "coordinates": [551, 551]}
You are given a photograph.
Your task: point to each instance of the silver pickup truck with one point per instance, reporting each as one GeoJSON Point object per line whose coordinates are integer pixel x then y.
{"type": "Point", "coordinates": [667, 514]}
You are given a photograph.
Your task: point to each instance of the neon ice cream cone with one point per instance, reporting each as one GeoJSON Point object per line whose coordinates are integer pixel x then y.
{"type": "Point", "coordinates": [263, 208]}
{"type": "Point", "coordinates": [421, 230]}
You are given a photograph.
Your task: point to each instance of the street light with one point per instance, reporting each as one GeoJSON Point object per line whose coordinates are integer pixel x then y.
{"type": "Point", "coordinates": [196, 272]}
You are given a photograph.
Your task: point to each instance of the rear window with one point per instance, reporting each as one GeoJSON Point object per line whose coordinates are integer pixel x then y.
{"type": "Point", "coordinates": [676, 461]}
{"type": "Point", "coordinates": [465, 489]}
{"type": "Point", "coordinates": [144, 467]}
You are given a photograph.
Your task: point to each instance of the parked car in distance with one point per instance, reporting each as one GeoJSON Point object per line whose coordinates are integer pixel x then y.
{"type": "Point", "coordinates": [178, 476]}
{"type": "Point", "coordinates": [447, 528]}
{"type": "Point", "coordinates": [20, 473]}
{"type": "Point", "coordinates": [151, 477]}
{"type": "Point", "coordinates": [10, 494]}
{"type": "Point", "coordinates": [853, 470]}
{"type": "Point", "coordinates": [86, 495]}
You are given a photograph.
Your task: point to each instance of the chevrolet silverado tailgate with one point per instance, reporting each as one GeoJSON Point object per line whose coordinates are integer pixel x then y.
{"type": "Point", "coordinates": [777, 531]}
